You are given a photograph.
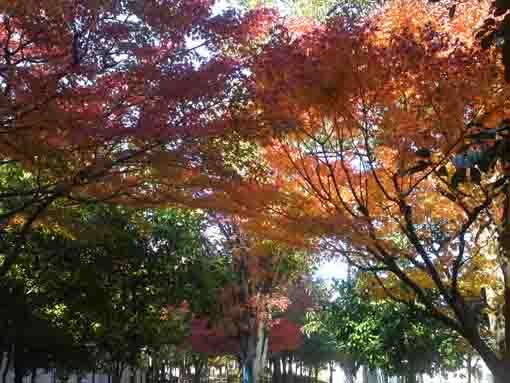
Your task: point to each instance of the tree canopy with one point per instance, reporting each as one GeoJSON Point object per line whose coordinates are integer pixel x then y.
{"type": "Point", "coordinates": [383, 139]}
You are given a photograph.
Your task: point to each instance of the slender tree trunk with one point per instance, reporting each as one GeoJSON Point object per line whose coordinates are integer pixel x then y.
{"type": "Point", "coordinates": [277, 372]}
{"type": "Point", "coordinates": [33, 376]}
{"type": "Point", "coordinates": [118, 371]}
{"type": "Point", "coordinates": [410, 378]}
{"type": "Point", "coordinates": [372, 375]}
{"type": "Point", "coordinates": [248, 370]}
{"type": "Point", "coordinates": [502, 370]}
{"type": "Point", "coordinates": [253, 341]}
{"type": "Point", "coordinates": [19, 363]}
{"type": "Point", "coordinates": [331, 370]}
{"type": "Point", "coordinates": [198, 363]}
{"type": "Point", "coordinates": [260, 351]}
{"type": "Point", "coordinates": [350, 369]}
{"type": "Point", "coordinates": [7, 364]}
{"type": "Point", "coordinates": [290, 375]}
{"type": "Point", "coordinates": [502, 376]}
{"type": "Point", "coordinates": [469, 372]}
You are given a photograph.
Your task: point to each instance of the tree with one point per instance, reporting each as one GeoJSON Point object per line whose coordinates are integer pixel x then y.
{"type": "Point", "coordinates": [108, 281]}
{"type": "Point", "coordinates": [243, 325]}
{"type": "Point", "coordinates": [319, 10]}
{"type": "Point", "coordinates": [495, 30]}
{"type": "Point", "coordinates": [317, 352]}
{"type": "Point", "coordinates": [371, 125]}
{"type": "Point", "coordinates": [105, 100]}
{"type": "Point", "coordinates": [386, 335]}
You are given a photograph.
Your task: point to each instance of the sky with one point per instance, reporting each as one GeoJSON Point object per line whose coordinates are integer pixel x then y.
{"type": "Point", "coordinates": [336, 269]}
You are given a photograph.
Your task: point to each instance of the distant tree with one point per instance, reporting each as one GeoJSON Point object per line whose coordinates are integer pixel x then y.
{"type": "Point", "coordinates": [244, 323]}
{"type": "Point", "coordinates": [109, 281]}
{"type": "Point", "coordinates": [386, 335]}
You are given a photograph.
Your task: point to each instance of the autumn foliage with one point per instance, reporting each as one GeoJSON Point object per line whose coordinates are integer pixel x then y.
{"type": "Point", "coordinates": [384, 140]}
{"type": "Point", "coordinates": [114, 100]}
{"type": "Point", "coordinates": [284, 335]}
{"type": "Point", "coordinates": [379, 155]}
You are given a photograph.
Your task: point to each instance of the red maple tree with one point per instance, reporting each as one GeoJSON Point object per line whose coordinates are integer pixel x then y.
{"type": "Point", "coordinates": [113, 100]}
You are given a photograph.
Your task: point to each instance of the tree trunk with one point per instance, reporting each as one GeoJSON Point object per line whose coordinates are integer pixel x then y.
{"type": "Point", "coordinates": [502, 376]}
{"type": "Point", "coordinates": [501, 369]}
{"type": "Point", "coordinates": [410, 378]}
{"type": "Point", "coordinates": [198, 364]}
{"type": "Point", "coordinates": [469, 372]}
{"type": "Point", "coordinates": [316, 374]}
{"type": "Point", "coordinates": [277, 372]}
{"type": "Point", "coordinates": [19, 367]}
{"type": "Point", "coordinates": [372, 375]}
{"type": "Point", "coordinates": [252, 335]}
{"type": "Point", "coordinates": [350, 368]}
{"type": "Point", "coordinates": [290, 374]}
{"type": "Point", "coordinates": [248, 370]}
{"type": "Point", "coordinates": [7, 364]}
{"type": "Point", "coordinates": [118, 371]}
{"type": "Point", "coordinates": [261, 350]}
{"type": "Point", "coordinates": [33, 376]}
{"type": "Point", "coordinates": [349, 378]}
{"type": "Point", "coordinates": [331, 370]}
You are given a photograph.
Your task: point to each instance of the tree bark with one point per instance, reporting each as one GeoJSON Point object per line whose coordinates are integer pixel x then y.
{"type": "Point", "coordinates": [372, 375]}
{"type": "Point", "coordinates": [260, 351]}
{"type": "Point", "coordinates": [410, 378]}
{"type": "Point", "coordinates": [469, 372]}
{"type": "Point", "coordinates": [502, 376]}
{"type": "Point", "coordinates": [349, 369]}
{"type": "Point", "coordinates": [290, 374]}
{"type": "Point", "coordinates": [198, 363]}
{"type": "Point", "coordinates": [19, 364]}
{"type": "Point", "coordinates": [277, 372]}
{"type": "Point", "coordinates": [118, 371]}
{"type": "Point", "coordinates": [7, 364]}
